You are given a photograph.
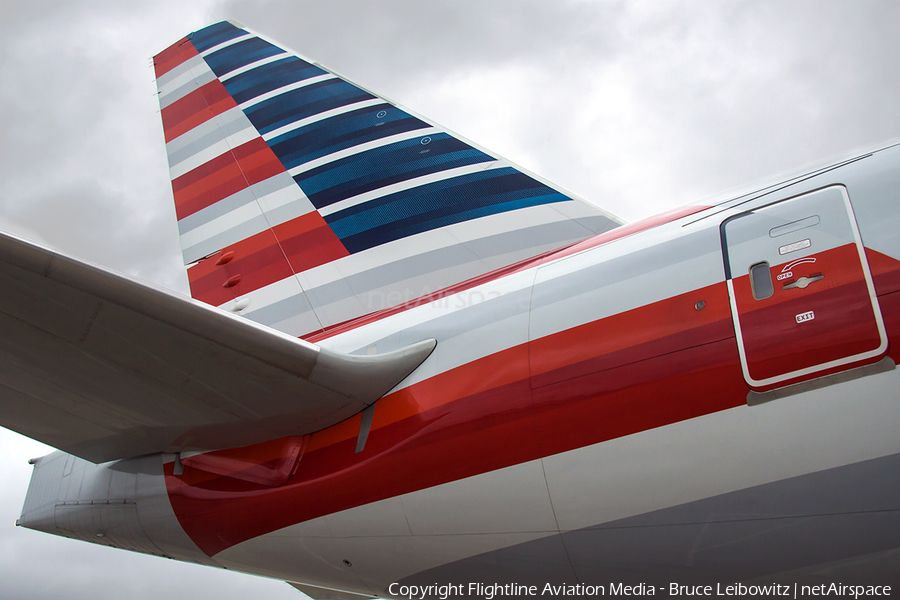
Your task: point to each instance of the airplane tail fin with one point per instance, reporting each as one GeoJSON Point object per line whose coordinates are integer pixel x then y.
{"type": "Point", "coordinates": [304, 200]}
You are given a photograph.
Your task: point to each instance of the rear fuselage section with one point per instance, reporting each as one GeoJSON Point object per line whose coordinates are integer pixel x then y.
{"type": "Point", "coordinates": [630, 408]}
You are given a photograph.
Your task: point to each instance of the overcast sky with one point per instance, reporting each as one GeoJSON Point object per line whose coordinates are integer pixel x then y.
{"type": "Point", "coordinates": [638, 107]}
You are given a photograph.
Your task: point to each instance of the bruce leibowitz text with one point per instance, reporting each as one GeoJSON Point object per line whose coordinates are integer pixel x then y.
{"type": "Point", "coordinates": [491, 591]}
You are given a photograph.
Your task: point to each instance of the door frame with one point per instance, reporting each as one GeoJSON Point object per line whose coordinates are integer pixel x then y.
{"type": "Point", "coordinates": [811, 372]}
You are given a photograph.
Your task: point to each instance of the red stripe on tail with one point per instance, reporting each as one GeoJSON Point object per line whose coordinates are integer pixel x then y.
{"type": "Point", "coordinates": [195, 108]}
{"type": "Point", "coordinates": [258, 260]}
{"type": "Point", "coordinates": [223, 176]}
{"type": "Point", "coordinates": [173, 56]}
{"type": "Point", "coordinates": [308, 242]}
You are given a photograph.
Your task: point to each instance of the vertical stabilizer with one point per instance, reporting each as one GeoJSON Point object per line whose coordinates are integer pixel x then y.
{"type": "Point", "coordinates": [304, 201]}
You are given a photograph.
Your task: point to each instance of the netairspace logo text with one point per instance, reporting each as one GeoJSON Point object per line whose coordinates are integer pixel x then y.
{"type": "Point", "coordinates": [490, 591]}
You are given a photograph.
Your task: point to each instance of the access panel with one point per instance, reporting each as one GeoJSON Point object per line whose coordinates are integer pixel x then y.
{"type": "Point", "coordinates": [801, 292]}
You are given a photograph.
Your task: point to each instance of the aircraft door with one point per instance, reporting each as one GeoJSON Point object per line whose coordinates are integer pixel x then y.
{"type": "Point", "coordinates": [801, 292]}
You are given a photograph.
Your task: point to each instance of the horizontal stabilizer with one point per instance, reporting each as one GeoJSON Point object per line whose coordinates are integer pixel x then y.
{"type": "Point", "coordinates": [105, 367]}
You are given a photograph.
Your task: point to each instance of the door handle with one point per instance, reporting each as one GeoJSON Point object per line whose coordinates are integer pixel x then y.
{"type": "Point", "coordinates": [803, 282]}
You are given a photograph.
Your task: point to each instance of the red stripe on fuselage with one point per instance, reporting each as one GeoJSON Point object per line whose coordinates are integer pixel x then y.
{"type": "Point", "coordinates": [660, 328]}
{"type": "Point", "coordinates": [885, 272]}
{"type": "Point", "coordinates": [639, 396]}
{"type": "Point", "coordinates": [195, 108]}
{"type": "Point", "coordinates": [890, 309]}
{"type": "Point", "coordinates": [664, 367]}
{"type": "Point", "coordinates": [173, 56]}
{"type": "Point", "coordinates": [472, 419]}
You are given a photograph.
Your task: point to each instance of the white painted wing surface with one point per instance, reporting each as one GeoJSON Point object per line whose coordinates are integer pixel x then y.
{"type": "Point", "coordinates": [105, 367]}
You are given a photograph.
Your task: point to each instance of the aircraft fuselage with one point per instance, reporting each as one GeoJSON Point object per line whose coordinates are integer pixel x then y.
{"type": "Point", "coordinates": [629, 409]}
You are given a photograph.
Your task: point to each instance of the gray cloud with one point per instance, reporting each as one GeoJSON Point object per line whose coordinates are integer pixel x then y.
{"type": "Point", "coordinates": [636, 106]}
